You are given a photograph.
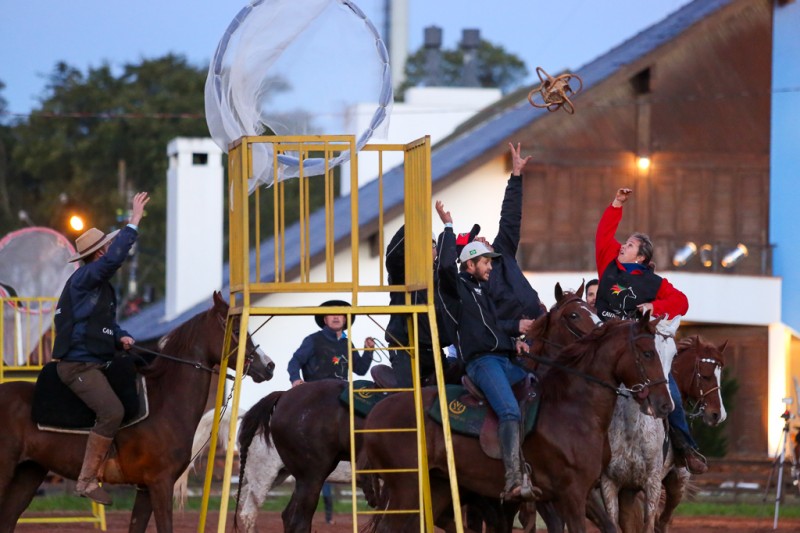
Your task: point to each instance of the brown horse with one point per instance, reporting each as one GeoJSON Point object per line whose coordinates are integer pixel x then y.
{"type": "Point", "coordinates": [697, 369]}
{"type": "Point", "coordinates": [305, 431]}
{"type": "Point", "coordinates": [566, 450]}
{"type": "Point", "coordinates": [151, 454]}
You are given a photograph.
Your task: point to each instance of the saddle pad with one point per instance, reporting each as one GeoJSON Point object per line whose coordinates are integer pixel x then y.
{"type": "Point", "coordinates": [467, 416]}
{"type": "Point", "coordinates": [363, 402]}
{"type": "Point", "coordinates": [56, 408]}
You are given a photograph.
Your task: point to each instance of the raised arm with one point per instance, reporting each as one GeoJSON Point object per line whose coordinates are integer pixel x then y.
{"type": "Point", "coordinates": [447, 268]}
{"type": "Point", "coordinates": [507, 240]}
{"type": "Point", "coordinates": [606, 245]}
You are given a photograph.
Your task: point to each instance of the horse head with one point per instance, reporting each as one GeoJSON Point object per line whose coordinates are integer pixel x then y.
{"type": "Point", "coordinates": [698, 370]}
{"type": "Point", "coordinates": [257, 365]}
{"type": "Point", "coordinates": [640, 367]}
{"type": "Point", "coordinates": [568, 320]}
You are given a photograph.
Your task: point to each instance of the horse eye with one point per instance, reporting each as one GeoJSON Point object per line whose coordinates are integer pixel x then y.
{"type": "Point", "coordinates": [648, 354]}
{"type": "Point", "coordinates": [573, 315]}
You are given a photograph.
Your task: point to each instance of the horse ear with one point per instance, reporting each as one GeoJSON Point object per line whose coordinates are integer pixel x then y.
{"type": "Point", "coordinates": [559, 292]}
{"type": "Point", "coordinates": [722, 346]}
{"type": "Point", "coordinates": [219, 301]}
{"type": "Point", "coordinates": [579, 292]}
{"type": "Point", "coordinates": [644, 321]}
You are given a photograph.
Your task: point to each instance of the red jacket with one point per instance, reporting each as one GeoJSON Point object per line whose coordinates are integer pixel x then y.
{"type": "Point", "coordinates": [669, 301]}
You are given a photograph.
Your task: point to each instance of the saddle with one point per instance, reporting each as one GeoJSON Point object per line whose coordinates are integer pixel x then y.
{"type": "Point", "coordinates": [363, 402]}
{"type": "Point", "coordinates": [470, 414]}
{"type": "Point", "coordinates": [56, 408]}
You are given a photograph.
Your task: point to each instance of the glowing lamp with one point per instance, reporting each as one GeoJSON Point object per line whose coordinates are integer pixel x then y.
{"type": "Point", "coordinates": [643, 162]}
{"type": "Point", "coordinates": [735, 256]}
{"type": "Point", "coordinates": [707, 255]}
{"type": "Point", "coordinates": [682, 256]}
{"type": "Point", "coordinates": [76, 223]}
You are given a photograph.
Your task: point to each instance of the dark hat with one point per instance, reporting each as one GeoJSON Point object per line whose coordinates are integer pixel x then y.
{"type": "Point", "coordinates": [463, 239]}
{"type": "Point", "coordinates": [331, 303]}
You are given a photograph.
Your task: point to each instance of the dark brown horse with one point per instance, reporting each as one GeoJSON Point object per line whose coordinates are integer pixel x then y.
{"type": "Point", "coordinates": [151, 454]}
{"type": "Point", "coordinates": [305, 431]}
{"type": "Point", "coordinates": [567, 451]}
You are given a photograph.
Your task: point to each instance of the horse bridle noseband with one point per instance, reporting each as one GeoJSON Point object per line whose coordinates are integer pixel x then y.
{"type": "Point", "coordinates": [700, 407]}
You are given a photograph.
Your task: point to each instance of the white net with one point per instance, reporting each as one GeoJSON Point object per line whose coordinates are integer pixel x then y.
{"type": "Point", "coordinates": [33, 263]}
{"type": "Point", "coordinates": [285, 67]}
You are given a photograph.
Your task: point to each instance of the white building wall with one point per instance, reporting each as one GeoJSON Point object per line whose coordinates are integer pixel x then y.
{"type": "Point", "coordinates": [434, 111]}
{"type": "Point", "coordinates": [194, 223]}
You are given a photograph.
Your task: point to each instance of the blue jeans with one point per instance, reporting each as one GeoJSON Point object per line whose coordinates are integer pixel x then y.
{"type": "Point", "coordinates": [677, 418]}
{"type": "Point", "coordinates": [494, 375]}
{"type": "Point", "coordinates": [327, 498]}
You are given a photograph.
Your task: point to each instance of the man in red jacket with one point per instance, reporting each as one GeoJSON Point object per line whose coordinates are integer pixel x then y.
{"type": "Point", "coordinates": [628, 285]}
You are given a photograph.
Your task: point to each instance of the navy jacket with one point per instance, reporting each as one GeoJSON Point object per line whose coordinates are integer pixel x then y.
{"type": "Point", "coordinates": [512, 293]}
{"type": "Point", "coordinates": [323, 356]}
{"type": "Point", "coordinates": [88, 286]}
{"type": "Point", "coordinates": [470, 308]}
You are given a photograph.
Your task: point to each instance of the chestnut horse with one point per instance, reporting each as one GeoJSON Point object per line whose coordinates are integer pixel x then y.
{"type": "Point", "coordinates": [151, 454]}
{"type": "Point", "coordinates": [305, 431]}
{"type": "Point", "coordinates": [566, 450]}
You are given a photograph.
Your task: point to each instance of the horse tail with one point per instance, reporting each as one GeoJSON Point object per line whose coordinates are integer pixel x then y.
{"type": "Point", "coordinates": [202, 436]}
{"type": "Point", "coordinates": [257, 418]}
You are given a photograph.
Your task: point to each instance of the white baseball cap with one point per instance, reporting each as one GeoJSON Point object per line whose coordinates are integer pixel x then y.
{"type": "Point", "coordinates": [474, 250]}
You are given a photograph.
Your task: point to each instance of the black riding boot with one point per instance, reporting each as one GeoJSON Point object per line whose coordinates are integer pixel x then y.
{"type": "Point", "coordinates": [517, 486]}
{"type": "Point", "coordinates": [685, 454]}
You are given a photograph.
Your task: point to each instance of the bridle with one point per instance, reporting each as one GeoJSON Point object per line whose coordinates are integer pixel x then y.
{"type": "Point", "coordinates": [699, 407]}
{"type": "Point", "coordinates": [620, 390]}
{"type": "Point", "coordinates": [575, 332]}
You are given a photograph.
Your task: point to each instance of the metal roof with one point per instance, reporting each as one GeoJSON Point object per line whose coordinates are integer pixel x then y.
{"type": "Point", "coordinates": [448, 156]}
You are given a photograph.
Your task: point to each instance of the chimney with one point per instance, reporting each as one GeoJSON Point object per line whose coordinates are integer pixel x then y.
{"type": "Point", "coordinates": [194, 223]}
{"type": "Point", "coordinates": [470, 41]}
{"type": "Point", "coordinates": [433, 56]}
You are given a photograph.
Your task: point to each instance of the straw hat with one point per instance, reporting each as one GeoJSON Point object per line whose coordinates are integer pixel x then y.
{"type": "Point", "coordinates": [89, 242]}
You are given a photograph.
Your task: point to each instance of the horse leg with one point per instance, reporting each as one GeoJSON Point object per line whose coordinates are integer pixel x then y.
{"type": "Point", "coordinates": [571, 505]}
{"type": "Point", "coordinates": [652, 495]}
{"type": "Point", "coordinates": [298, 514]}
{"type": "Point", "coordinates": [161, 500]}
{"type": "Point", "coordinates": [19, 493]}
{"type": "Point", "coordinates": [596, 512]}
{"type": "Point", "coordinates": [610, 493]}
{"type": "Point", "coordinates": [632, 511]}
{"type": "Point", "coordinates": [142, 509]}
{"type": "Point", "coordinates": [675, 485]}
{"type": "Point", "coordinates": [548, 513]}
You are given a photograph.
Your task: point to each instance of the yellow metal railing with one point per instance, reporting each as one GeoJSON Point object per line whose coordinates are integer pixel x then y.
{"type": "Point", "coordinates": [26, 337]}
{"type": "Point", "coordinates": [303, 261]}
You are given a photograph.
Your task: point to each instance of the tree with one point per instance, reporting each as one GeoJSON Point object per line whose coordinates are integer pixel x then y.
{"type": "Point", "coordinates": [496, 68]}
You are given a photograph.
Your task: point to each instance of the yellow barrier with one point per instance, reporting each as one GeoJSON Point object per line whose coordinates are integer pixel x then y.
{"type": "Point", "coordinates": [26, 338]}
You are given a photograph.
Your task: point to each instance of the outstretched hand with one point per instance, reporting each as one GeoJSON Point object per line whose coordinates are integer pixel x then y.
{"type": "Point", "coordinates": [137, 207]}
{"type": "Point", "coordinates": [517, 162]}
{"type": "Point", "coordinates": [621, 197]}
{"type": "Point", "coordinates": [446, 217]}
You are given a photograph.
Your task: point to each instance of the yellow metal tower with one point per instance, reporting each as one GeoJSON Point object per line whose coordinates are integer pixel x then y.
{"type": "Point", "coordinates": [251, 281]}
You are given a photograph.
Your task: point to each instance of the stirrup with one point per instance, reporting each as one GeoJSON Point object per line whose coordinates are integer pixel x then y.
{"type": "Point", "coordinates": [525, 491]}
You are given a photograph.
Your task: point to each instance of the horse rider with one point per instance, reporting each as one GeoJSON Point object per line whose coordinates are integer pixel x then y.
{"type": "Point", "coordinates": [323, 355]}
{"type": "Point", "coordinates": [591, 292]}
{"type": "Point", "coordinates": [485, 342]}
{"type": "Point", "coordinates": [397, 329]}
{"type": "Point", "coordinates": [87, 336]}
{"type": "Point", "coordinates": [628, 285]}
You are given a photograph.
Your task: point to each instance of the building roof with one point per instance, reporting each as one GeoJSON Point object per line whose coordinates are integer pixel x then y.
{"type": "Point", "coordinates": [476, 139]}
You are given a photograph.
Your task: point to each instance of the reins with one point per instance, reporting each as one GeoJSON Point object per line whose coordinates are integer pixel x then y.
{"type": "Point", "coordinates": [195, 364]}
{"type": "Point", "coordinates": [699, 407]}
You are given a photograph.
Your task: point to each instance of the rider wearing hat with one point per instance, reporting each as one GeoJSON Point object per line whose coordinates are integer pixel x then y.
{"type": "Point", "coordinates": [628, 285]}
{"type": "Point", "coordinates": [87, 336]}
{"type": "Point", "coordinates": [485, 343]}
{"type": "Point", "coordinates": [323, 355]}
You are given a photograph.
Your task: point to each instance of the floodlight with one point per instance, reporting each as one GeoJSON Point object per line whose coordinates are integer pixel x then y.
{"type": "Point", "coordinates": [735, 256]}
{"type": "Point", "coordinates": [686, 252]}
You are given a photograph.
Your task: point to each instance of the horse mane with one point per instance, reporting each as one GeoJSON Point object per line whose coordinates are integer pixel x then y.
{"type": "Point", "coordinates": [177, 342]}
{"type": "Point", "coordinates": [577, 355]}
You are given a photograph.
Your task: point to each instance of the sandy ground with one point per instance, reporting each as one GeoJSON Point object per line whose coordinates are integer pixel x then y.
{"type": "Point", "coordinates": [271, 522]}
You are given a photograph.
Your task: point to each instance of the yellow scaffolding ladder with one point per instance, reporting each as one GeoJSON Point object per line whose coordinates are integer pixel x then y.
{"type": "Point", "coordinates": [248, 282]}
